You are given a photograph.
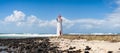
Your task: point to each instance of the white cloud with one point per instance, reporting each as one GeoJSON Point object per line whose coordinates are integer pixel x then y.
{"type": "Point", "coordinates": [84, 23]}
{"type": "Point", "coordinates": [19, 23]}
{"type": "Point", "coordinates": [67, 23]}
{"type": "Point", "coordinates": [114, 18]}
{"type": "Point", "coordinates": [46, 23]}
{"type": "Point", "coordinates": [32, 20]}
{"type": "Point", "coordinates": [117, 2]}
{"type": "Point", "coordinates": [20, 19]}
{"type": "Point", "coordinates": [112, 21]}
{"type": "Point", "coordinates": [15, 17]}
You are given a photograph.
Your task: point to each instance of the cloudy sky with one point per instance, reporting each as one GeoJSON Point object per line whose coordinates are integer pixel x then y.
{"type": "Point", "coordinates": [79, 16]}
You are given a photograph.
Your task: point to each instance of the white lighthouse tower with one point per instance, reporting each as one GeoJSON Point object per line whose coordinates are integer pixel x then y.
{"type": "Point", "coordinates": [59, 25]}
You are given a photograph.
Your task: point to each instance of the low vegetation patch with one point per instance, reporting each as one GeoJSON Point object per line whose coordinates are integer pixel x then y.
{"type": "Point", "coordinates": [111, 38]}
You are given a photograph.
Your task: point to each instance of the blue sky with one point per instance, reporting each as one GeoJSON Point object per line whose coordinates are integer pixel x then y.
{"type": "Point", "coordinates": [68, 8]}
{"type": "Point", "coordinates": [39, 16]}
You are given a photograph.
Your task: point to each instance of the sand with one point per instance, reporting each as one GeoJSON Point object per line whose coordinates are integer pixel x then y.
{"type": "Point", "coordinates": [95, 45]}
{"type": "Point", "coordinates": [58, 45]}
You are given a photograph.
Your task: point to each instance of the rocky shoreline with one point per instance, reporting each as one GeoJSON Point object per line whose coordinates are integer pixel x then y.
{"type": "Point", "coordinates": [55, 45]}
{"type": "Point", "coordinates": [30, 45]}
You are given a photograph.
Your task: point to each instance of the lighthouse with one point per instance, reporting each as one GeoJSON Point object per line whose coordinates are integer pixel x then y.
{"type": "Point", "coordinates": [59, 25]}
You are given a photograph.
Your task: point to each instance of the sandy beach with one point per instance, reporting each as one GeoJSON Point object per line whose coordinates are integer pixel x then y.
{"type": "Point", "coordinates": [64, 44]}
{"type": "Point", "coordinates": [95, 45]}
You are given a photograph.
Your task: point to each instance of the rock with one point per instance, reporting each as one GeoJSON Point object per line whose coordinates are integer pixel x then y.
{"type": "Point", "coordinates": [29, 45]}
{"type": "Point", "coordinates": [71, 48]}
{"type": "Point", "coordinates": [86, 51]}
{"type": "Point", "coordinates": [110, 52]}
{"type": "Point", "coordinates": [87, 48]}
{"type": "Point", "coordinates": [78, 51]}
{"type": "Point", "coordinates": [119, 49]}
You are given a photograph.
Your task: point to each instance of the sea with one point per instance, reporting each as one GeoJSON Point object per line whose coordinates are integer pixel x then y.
{"type": "Point", "coordinates": [23, 35]}
{"type": "Point", "coordinates": [31, 35]}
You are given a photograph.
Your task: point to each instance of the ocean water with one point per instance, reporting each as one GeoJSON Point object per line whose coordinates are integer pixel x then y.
{"type": "Point", "coordinates": [28, 35]}
{"type": "Point", "coordinates": [4, 36]}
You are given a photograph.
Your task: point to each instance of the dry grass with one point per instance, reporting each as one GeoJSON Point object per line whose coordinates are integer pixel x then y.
{"type": "Point", "coordinates": [111, 38]}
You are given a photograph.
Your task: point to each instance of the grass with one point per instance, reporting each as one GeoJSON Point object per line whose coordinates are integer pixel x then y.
{"type": "Point", "coordinates": [111, 38]}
